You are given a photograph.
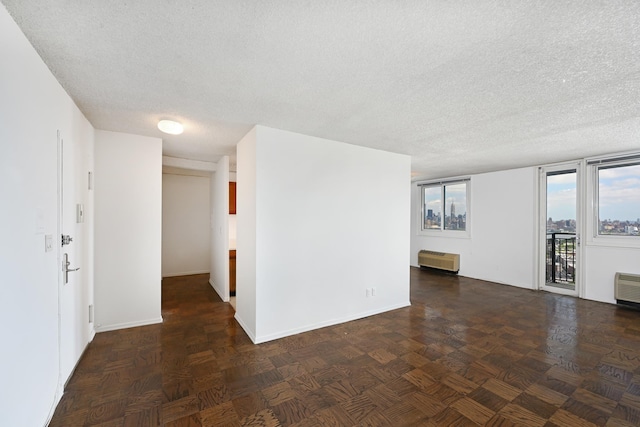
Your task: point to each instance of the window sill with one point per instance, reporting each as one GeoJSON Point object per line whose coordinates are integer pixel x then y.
{"type": "Point", "coordinates": [446, 234]}
{"type": "Point", "coordinates": [615, 242]}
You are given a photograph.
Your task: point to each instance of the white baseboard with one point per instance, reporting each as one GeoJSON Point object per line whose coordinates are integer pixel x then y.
{"type": "Point", "coordinates": [247, 330]}
{"type": "Point", "coordinates": [282, 334]}
{"type": "Point", "coordinates": [63, 384]}
{"type": "Point", "coordinates": [56, 400]}
{"type": "Point", "coordinates": [125, 325]}
{"type": "Point", "coordinates": [224, 298]}
{"type": "Point", "coordinates": [185, 273]}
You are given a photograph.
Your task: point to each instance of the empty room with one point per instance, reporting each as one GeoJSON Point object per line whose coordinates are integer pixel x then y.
{"type": "Point", "coordinates": [243, 213]}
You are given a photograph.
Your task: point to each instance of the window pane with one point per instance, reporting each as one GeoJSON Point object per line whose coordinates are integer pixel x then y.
{"type": "Point", "coordinates": [455, 207]}
{"type": "Point", "coordinates": [432, 209]}
{"type": "Point", "coordinates": [561, 201]}
{"type": "Point", "coordinates": [619, 200]}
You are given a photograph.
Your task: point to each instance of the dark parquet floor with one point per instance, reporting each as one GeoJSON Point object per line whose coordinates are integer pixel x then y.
{"type": "Point", "coordinates": [466, 352]}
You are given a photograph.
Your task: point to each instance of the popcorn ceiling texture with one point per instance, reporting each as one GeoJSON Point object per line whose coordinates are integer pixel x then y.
{"type": "Point", "coordinates": [462, 86]}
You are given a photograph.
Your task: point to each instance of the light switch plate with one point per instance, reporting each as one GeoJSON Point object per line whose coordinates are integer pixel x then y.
{"type": "Point", "coordinates": [48, 243]}
{"type": "Point", "coordinates": [79, 213]}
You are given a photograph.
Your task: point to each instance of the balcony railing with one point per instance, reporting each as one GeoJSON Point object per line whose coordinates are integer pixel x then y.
{"type": "Point", "coordinates": [561, 258]}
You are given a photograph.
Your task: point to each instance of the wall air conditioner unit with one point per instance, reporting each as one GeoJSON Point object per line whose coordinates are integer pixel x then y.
{"type": "Point", "coordinates": [627, 287]}
{"type": "Point", "coordinates": [440, 260]}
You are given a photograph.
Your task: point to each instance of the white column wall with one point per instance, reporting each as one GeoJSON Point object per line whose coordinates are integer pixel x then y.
{"type": "Point", "coordinates": [185, 225]}
{"type": "Point", "coordinates": [246, 234]}
{"type": "Point", "coordinates": [219, 229]}
{"type": "Point", "coordinates": [128, 230]}
{"type": "Point", "coordinates": [332, 220]}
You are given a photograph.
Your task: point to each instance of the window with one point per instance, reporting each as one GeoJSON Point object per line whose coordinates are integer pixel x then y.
{"type": "Point", "coordinates": [618, 198]}
{"type": "Point", "coordinates": [444, 205]}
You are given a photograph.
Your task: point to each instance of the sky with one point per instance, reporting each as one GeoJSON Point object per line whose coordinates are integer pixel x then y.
{"type": "Point", "coordinates": [561, 196]}
{"type": "Point", "coordinates": [619, 194]}
{"type": "Point", "coordinates": [455, 193]}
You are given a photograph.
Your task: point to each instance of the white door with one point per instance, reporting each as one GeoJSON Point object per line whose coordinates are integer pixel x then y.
{"type": "Point", "coordinates": [560, 228]}
{"type": "Point", "coordinates": [70, 288]}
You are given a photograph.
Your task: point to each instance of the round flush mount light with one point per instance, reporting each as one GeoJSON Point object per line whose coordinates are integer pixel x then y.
{"type": "Point", "coordinates": [170, 127]}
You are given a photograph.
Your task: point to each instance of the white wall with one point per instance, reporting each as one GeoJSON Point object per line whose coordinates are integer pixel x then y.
{"type": "Point", "coordinates": [185, 224]}
{"type": "Point", "coordinates": [33, 107]}
{"type": "Point", "coordinates": [219, 229]}
{"type": "Point", "coordinates": [128, 230]}
{"type": "Point", "coordinates": [601, 265]}
{"type": "Point", "coordinates": [331, 220]}
{"type": "Point", "coordinates": [501, 247]}
{"type": "Point", "coordinates": [246, 234]}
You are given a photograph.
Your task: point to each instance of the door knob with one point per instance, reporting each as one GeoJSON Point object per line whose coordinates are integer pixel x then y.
{"type": "Point", "coordinates": [65, 268]}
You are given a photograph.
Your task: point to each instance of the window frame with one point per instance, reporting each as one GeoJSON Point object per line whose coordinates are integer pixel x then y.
{"type": "Point", "coordinates": [442, 231]}
{"type": "Point", "coordinates": [596, 165]}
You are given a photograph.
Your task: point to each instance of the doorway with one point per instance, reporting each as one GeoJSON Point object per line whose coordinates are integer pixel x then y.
{"type": "Point", "coordinates": [559, 226]}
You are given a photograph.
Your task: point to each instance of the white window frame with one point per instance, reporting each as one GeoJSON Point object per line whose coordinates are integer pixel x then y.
{"type": "Point", "coordinates": [442, 232]}
{"type": "Point", "coordinates": [595, 238]}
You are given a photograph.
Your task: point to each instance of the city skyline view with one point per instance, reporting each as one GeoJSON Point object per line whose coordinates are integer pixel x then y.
{"type": "Point", "coordinates": [618, 201]}
{"type": "Point", "coordinates": [618, 194]}
{"type": "Point", "coordinates": [455, 199]}
{"type": "Point", "coordinates": [456, 194]}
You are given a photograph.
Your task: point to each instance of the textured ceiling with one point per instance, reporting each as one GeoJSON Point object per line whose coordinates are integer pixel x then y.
{"type": "Point", "coordinates": [461, 86]}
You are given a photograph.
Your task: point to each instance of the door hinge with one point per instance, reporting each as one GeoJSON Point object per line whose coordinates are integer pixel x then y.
{"type": "Point", "coordinates": [90, 313]}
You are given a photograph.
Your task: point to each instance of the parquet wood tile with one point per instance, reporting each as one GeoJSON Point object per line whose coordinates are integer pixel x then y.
{"type": "Point", "coordinates": [522, 416]}
{"type": "Point", "coordinates": [426, 404]}
{"type": "Point", "coordinates": [466, 352]}
{"type": "Point", "coordinates": [473, 410]}
{"type": "Point", "coordinates": [535, 405]}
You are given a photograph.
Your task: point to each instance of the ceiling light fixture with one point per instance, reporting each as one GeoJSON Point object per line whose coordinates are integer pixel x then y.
{"type": "Point", "coordinates": [170, 127]}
